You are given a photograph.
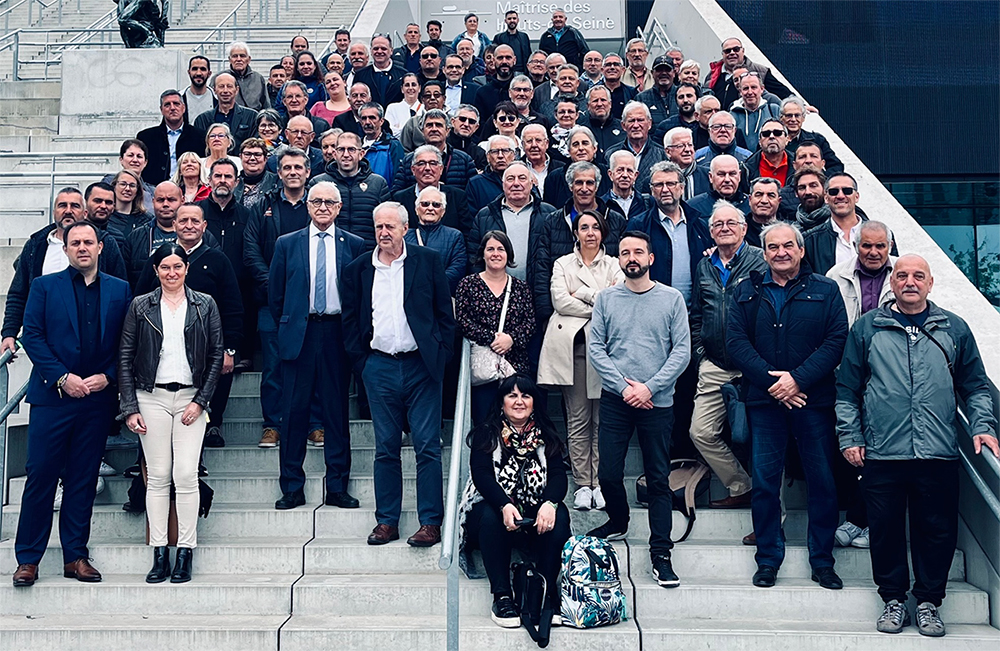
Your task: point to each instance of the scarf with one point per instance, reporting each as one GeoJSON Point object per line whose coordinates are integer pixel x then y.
{"type": "Point", "coordinates": [812, 219]}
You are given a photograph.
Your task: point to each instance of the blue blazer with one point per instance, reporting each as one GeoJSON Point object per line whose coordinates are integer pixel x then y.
{"type": "Point", "coordinates": [288, 284]}
{"type": "Point", "coordinates": [51, 336]}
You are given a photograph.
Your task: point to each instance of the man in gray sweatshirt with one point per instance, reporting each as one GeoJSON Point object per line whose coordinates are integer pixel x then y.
{"type": "Point", "coordinates": [639, 344]}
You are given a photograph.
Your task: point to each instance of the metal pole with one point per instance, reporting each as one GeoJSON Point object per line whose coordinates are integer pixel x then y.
{"type": "Point", "coordinates": [4, 380]}
{"type": "Point", "coordinates": [17, 53]}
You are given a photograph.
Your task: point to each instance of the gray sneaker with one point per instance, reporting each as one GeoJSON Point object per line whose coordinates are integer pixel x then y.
{"type": "Point", "coordinates": [862, 541]}
{"type": "Point", "coordinates": [928, 621]}
{"type": "Point", "coordinates": [894, 618]}
{"type": "Point", "coordinates": [846, 533]}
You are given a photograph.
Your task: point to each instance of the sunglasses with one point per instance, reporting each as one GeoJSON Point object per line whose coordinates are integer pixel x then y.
{"type": "Point", "coordinates": [833, 192]}
{"type": "Point", "coordinates": [466, 120]}
{"type": "Point", "coordinates": [767, 133]}
{"type": "Point", "coordinates": [730, 50]}
{"type": "Point", "coordinates": [506, 118]}
{"type": "Point", "coordinates": [431, 204]}
{"type": "Point", "coordinates": [429, 56]}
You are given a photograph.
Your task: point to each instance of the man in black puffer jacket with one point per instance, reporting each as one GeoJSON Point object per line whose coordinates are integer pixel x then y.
{"type": "Point", "coordinates": [361, 189]}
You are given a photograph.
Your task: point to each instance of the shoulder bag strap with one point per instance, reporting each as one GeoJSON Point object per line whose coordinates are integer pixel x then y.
{"type": "Point", "coordinates": [947, 358]}
{"type": "Point", "coordinates": [506, 301]}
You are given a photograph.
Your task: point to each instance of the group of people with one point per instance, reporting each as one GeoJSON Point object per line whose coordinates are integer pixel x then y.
{"type": "Point", "coordinates": [634, 237]}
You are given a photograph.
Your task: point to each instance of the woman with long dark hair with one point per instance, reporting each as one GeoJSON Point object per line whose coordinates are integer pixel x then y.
{"type": "Point", "coordinates": [168, 367]}
{"type": "Point", "coordinates": [515, 493]}
{"type": "Point", "coordinates": [308, 71]}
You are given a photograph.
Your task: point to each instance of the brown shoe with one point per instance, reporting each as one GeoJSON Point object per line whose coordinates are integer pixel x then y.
{"type": "Point", "coordinates": [26, 575]}
{"type": "Point", "coordinates": [750, 539]}
{"type": "Point", "coordinates": [733, 502]}
{"type": "Point", "coordinates": [427, 535]}
{"type": "Point", "coordinates": [316, 437]}
{"type": "Point", "coordinates": [81, 570]}
{"type": "Point", "coordinates": [383, 533]}
{"type": "Point", "coordinates": [269, 439]}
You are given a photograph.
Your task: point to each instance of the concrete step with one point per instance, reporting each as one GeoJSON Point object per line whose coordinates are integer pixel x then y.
{"type": "Point", "coordinates": [668, 634]}
{"type": "Point", "coordinates": [233, 556]}
{"type": "Point", "coordinates": [708, 599]}
{"type": "Point", "coordinates": [224, 522]}
{"type": "Point", "coordinates": [27, 90]}
{"type": "Point", "coordinates": [205, 594]}
{"type": "Point", "coordinates": [90, 632]}
{"type": "Point", "coordinates": [477, 631]}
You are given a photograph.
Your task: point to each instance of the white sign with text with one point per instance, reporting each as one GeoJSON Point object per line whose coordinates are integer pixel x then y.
{"type": "Point", "coordinates": [596, 19]}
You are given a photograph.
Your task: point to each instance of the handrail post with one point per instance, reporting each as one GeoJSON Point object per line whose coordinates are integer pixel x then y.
{"type": "Point", "coordinates": [4, 381]}
{"type": "Point", "coordinates": [17, 53]}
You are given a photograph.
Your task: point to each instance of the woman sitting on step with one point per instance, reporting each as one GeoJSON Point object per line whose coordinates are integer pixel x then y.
{"type": "Point", "coordinates": [515, 494]}
{"type": "Point", "coordinates": [168, 367]}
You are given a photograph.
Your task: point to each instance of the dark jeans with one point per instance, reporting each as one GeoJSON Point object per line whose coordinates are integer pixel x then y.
{"type": "Point", "coordinates": [482, 398]}
{"type": "Point", "coordinates": [319, 375]}
{"type": "Point", "coordinates": [930, 488]}
{"type": "Point", "coordinates": [68, 441]}
{"type": "Point", "coordinates": [653, 427]}
{"type": "Point", "coordinates": [402, 390]}
{"type": "Point", "coordinates": [486, 532]}
{"type": "Point", "coordinates": [813, 430]}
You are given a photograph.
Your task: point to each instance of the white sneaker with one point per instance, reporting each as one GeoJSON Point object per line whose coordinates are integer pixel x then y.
{"type": "Point", "coordinates": [846, 533]}
{"type": "Point", "coordinates": [100, 485]}
{"type": "Point", "coordinates": [57, 504]}
{"type": "Point", "coordinates": [106, 470]}
{"type": "Point", "coordinates": [583, 498]}
{"type": "Point", "coordinates": [861, 541]}
{"type": "Point", "coordinates": [599, 501]}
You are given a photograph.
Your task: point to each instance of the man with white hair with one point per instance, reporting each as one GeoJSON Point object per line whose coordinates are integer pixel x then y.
{"type": "Point", "coordinates": [252, 86]}
{"type": "Point", "coordinates": [792, 115]}
{"type": "Point", "coordinates": [678, 144]}
{"type": "Point", "coordinates": [638, 123]}
{"type": "Point", "coordinates": [399, 330]}
{"type": "Point", "coordinates": [487, 186]}
{"type": "Point", "coordinates": [725, 175]}
{"type": "Point", "coordinates": [305, 289]}
{"type": "Point", "coordinates": [622, 170]}
{"type": "Point", "coordinates": [721, 140]}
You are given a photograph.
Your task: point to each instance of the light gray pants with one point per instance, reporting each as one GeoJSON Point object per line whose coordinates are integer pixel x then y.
{"type": "Point", "coordinates": [581, 422]}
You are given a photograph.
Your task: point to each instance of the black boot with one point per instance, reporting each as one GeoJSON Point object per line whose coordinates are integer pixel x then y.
{"type": "Point", "coordinates": [161, 565]}
{"type": "Point", "coordinates": [182, 566]}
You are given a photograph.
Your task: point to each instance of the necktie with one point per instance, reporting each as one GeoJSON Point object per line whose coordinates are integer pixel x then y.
{"type": "Point", "coordinates": [319, 301]}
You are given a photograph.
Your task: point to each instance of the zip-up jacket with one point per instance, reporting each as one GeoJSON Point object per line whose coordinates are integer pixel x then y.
{"type": "Point", "coordinates": [895, 394]}
{"type": "Point", "coordinates": [360, 195]}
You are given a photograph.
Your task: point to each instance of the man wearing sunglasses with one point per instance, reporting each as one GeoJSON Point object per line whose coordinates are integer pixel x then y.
{"type": "Point", "coordinates": [432, 128]}
{"type": "Point", "coordinates": [832, 242]}
{"type": "Point", "coordinates": [723, 82]}
{"type": "Point", "coordinates": [426, 166]}
{"type": "Point", "coordinates": [465, 135]}
{"type": "Point", "coordinates": [771, 160]}
{"type": "Point", "coordinates": [430, 66]}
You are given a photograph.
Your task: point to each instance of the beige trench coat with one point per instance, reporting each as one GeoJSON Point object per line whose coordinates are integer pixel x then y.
{"type": "Point", "coordinates": [574, 289]}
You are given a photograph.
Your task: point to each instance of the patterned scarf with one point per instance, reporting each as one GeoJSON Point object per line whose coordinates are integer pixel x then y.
{"type": "Point", "coordinates": [519, 463]}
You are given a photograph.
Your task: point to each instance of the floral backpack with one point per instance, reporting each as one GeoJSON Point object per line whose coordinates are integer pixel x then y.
{"type": "Point", "coordinates": [591, 586]}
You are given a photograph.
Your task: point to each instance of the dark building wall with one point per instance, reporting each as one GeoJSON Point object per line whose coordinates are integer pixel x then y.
{"type": "Point", "coordinates": [912, 87]}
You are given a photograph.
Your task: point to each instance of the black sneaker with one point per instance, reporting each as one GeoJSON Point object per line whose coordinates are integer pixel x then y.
{"type": "Point", "coordinates": [504, 613]}
{"type": "Point", "coordinates": [663, 572]}
{"type": "Point", "coordinates": [213, 438]}
{"type": "Point", "coordinates": [609, 531]}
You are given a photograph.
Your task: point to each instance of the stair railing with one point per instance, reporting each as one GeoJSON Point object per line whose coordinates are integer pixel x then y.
{"type": "Point", "coordinates": [8, 408]}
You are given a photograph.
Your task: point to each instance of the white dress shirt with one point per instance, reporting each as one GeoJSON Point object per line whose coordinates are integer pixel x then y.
{"type": "Point", "coordinates": [390, 330]}
{"type": "Point", "coordinates": [845, 247]}
{"type": "Point", "coordinates": [332, 291]}
{"type": "Point", "coordinates": [55, 256]}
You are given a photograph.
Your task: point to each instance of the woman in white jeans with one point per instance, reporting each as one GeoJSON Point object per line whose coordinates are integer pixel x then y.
{"type": "Point", "coordinates": [169, 364]}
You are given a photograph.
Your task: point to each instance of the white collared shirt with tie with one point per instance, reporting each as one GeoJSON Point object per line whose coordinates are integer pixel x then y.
{"type": "Point", "coordinates": [390, 330]}
{"type": "Point", "coordinates": [332, 292]}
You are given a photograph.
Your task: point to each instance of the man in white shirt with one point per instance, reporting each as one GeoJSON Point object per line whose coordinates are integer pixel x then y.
{"type": "Point", "coordinates": [399, 330]}
{"type": "Point", "coordinates": [305, 301]}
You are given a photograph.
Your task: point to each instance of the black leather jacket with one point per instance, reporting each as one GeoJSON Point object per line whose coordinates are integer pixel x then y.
{"type": "Point", "coordinates": [142, 339]}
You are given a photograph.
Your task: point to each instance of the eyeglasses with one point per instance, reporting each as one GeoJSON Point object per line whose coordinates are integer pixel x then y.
{"type": "Point", "coordinates": [252, 154]}
{"type": "Point", "coordinates": [683, 145]}
{"type": "Point", "coordinates": [467, 120]}
{"type": "Point", "coordinates": [731, 225]}
{"type": "Point", "coordinates": [522, 89]}
{"type": "Point", "coordinates": [612, 64]}
{"type": "Point", "coordinates": [431, 204]}
{"type": "Point", "coordinates": [299, 132]}
{"type": "Point", "coordinates": [749, 74]}
{"type": "Point", "coordinates": [433, 95]}
{"type": "Point", "coordinates": [426, 163]}
{"type": "Point", "coordinates": [506, 118]}
{"type": "Point", "coordinates": [324, 203]}
{"type": "Point", "coordinates": [217, 136]}
{"type": "Point", "coordinates": [666, 184]}
{"type": "Point", "coordinates": [432, 55]}
{"type": "Point", "coordinates": [126, 186]}
{"type": "Point", "coordinates": [833, 192]}
{"type": "Point", "coordinates": [722, 127]}
{"type": "Point", "coordinates": [347, 150]}
{"type": "Point", "coordinates": [501, 152]}
{"type": "Point", "coordinates": [730, 50]}
{"type": "Point", "coordinates": [767, 133]}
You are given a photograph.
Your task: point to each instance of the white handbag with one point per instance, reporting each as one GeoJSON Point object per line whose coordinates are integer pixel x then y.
{"type": "Point", "coordinates": [485, 364]}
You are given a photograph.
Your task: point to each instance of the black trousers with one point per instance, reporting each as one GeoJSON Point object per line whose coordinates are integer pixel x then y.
{"type": "Point", "coordinates": [653, 428]}
{"type": "Point", "coordinates": [486, 532]}
{"type": "Point", "coordinates": [929, 487]}
{"type": "Point", "coordinates": [319, 374]}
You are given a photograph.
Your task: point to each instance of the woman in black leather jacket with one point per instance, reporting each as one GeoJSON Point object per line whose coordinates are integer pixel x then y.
{"type": "Point", "coordinates": [168, 366]}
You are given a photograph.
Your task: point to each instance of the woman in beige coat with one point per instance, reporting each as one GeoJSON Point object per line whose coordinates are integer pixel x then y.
{"type": "Point", "coordinates": [576, 279]}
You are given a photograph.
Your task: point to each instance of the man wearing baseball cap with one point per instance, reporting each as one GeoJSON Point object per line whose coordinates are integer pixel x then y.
{"type": "Point", "coordinates": [660, 96]}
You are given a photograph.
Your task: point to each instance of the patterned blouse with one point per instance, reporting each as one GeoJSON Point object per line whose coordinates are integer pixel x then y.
{"type": "Point", "coordinates": [477, 311]}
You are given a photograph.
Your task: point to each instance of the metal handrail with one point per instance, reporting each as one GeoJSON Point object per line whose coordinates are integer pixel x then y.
{"type": "Point", "coordinates": [456, 472]}
{"type": "Point", "coordinates": [977, 480]}
{"type": "Point", "coordinates": [329, 44]}
{"type": "Point", "coordinates": [8, 408]}
{"type": "Point", "coordinates": [58, 154]}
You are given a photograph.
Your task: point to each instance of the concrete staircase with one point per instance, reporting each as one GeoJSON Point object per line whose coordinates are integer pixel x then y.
{"type": "Point", "coordinates": [305, 579]}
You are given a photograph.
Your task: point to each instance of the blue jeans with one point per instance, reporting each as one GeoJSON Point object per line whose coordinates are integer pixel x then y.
{"type": "Point", "coordinates": [813, 429]}
{"type": "Point", "coordinates": [401, 390]}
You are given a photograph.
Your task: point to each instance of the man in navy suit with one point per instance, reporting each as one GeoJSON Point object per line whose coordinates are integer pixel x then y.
{"type": "Point", "coordinates": [304, 295]}
{"type": "Point", "coordinates": [72, 324]}
{"type": "Point", "coordinates": [399, 329]}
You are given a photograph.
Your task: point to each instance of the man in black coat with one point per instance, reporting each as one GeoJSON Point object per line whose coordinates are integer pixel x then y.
{"type": "Point", "coordinates": [242, 121]}
{"type": "Point", "coordinates": [169, 139]}
{"type": "Point", "coordinates": [425, 166]}
{"type": "Point", "coordinates": [571, 43]}
{"type": "Point", "coordinates": [516, 39]}
{"type": "Point", "coordinates": [402, 366]}
{"type": "Point", "coordinates": [384, 77]}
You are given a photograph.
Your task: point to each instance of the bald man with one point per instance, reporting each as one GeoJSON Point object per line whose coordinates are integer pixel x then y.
{"type": "Point", "coordinates": [904, 434]}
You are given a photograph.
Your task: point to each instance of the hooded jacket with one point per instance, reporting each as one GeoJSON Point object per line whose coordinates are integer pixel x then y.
{"type": "Point", "coordinates": [749, 122]}
{"type": "Point", "coordinates": [896, 389]}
